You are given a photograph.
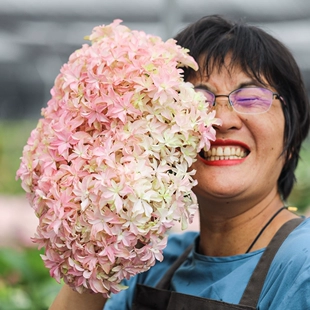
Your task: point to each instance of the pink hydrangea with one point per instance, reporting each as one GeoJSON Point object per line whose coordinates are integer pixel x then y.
{"type": "Point", "coordinates": [107, 167]}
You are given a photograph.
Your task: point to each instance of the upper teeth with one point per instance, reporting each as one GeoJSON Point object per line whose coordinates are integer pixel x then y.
{"type": "Point", "coordinates": [226, 152]}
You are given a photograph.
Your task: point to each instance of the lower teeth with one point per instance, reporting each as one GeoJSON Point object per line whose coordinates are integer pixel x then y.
{"type": "Point", "coordinates": [223, 157]}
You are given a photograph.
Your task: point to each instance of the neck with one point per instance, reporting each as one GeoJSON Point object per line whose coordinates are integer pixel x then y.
{"type": "Point", "coordinates": [227, 230]}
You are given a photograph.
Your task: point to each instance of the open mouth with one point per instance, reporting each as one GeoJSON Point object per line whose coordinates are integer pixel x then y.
{"type": "Point", "coordinates": [224, 153]}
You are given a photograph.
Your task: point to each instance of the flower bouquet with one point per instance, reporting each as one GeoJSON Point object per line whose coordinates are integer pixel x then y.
{"type": "Point", "coordinates": [107, 167]}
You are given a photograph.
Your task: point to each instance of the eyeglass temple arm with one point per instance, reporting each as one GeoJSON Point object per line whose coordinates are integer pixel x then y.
{"type": "Point", "coordinates": [277, 96]}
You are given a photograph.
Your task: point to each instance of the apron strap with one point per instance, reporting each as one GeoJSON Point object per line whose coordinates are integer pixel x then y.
{"type": "Point", "coordinates": [255, 285]}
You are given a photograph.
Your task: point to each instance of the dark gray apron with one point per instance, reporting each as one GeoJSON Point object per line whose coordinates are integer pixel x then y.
{"type": "Point", "coordinates": [161, 298]}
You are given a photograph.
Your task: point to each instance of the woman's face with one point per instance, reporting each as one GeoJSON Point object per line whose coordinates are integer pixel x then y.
{"type": "Point", "coordinates": [258, 138]}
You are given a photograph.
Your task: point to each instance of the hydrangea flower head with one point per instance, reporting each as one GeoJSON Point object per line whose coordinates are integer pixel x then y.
{"type": "Point", "coordinates": [107, 167]}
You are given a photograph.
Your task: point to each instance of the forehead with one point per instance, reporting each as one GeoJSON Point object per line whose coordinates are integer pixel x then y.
{"type": "Point", "coordinates": [226, 66]}
{"type": "Point", "coordinates": [225, 74]}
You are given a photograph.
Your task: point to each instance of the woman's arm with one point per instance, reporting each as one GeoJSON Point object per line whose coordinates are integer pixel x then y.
{"type": "Point", "coordinates": [68, 299]}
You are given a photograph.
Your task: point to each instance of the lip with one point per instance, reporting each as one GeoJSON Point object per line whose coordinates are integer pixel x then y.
{"type": "Point", "coordinates": [226, 162]}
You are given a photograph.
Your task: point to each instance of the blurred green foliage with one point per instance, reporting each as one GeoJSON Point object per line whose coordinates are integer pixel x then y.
{"type": "Point", "coordinates": [300, 196]}
{"type": "Point", "coordinates": [25, 283]}
{"type": "Point", "coordinates": [13, 137]}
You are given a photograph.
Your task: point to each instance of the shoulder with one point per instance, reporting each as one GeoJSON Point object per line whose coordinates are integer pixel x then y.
{"type": "Point", "coordinates": [289, 274]}
{"type": "Point", "coordinates": [294, 253]}
{"type": "Point", "coordinates": [297, 243]}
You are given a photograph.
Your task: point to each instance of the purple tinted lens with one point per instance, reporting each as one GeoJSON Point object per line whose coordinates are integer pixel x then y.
{"type": "Point", "coordinates": [251, 100]}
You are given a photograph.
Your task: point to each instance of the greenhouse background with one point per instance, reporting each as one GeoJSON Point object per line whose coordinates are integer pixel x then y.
{"type": "Point", "coordinates": [37, 37]}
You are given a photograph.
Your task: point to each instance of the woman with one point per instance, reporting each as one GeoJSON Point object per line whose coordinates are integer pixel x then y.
{"type": "Point", "coordinates": [254, 84]}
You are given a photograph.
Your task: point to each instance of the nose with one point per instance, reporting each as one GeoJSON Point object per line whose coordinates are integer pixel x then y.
{"type": "Point", "coordinates": [222, 96]}
{"type": "Point", "coordinates": [224, 111]}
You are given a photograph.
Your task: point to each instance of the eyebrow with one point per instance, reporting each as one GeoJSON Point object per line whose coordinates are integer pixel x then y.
{"type": "Point", "coordinates": [241, 85]}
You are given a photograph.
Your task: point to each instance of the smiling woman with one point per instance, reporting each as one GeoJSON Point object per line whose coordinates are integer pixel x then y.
{"type": "Point", "coordinates": [249, 242]}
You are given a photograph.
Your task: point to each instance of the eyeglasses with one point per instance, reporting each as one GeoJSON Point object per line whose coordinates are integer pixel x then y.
{"type": "Point", "coordinates": [247, 100]}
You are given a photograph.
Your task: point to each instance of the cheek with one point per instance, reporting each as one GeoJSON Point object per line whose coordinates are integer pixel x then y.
{"type": "Point", "coordinates": [268, 132]}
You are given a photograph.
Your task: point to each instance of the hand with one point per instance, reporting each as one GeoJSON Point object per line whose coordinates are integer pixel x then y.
{"type": "Point", "coordinates": [68, 299]}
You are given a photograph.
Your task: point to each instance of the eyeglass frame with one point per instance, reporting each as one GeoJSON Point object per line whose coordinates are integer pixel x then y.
{"type": "Point", "coordinates": [276, 95]}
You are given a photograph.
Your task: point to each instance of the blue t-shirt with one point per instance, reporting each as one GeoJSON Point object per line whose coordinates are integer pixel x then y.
{"type": "Point", "coordinates": [287, 285]}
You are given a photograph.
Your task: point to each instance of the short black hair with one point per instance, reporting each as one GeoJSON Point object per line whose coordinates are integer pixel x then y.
{"type": "Point", "coordinates": [261, 56]}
